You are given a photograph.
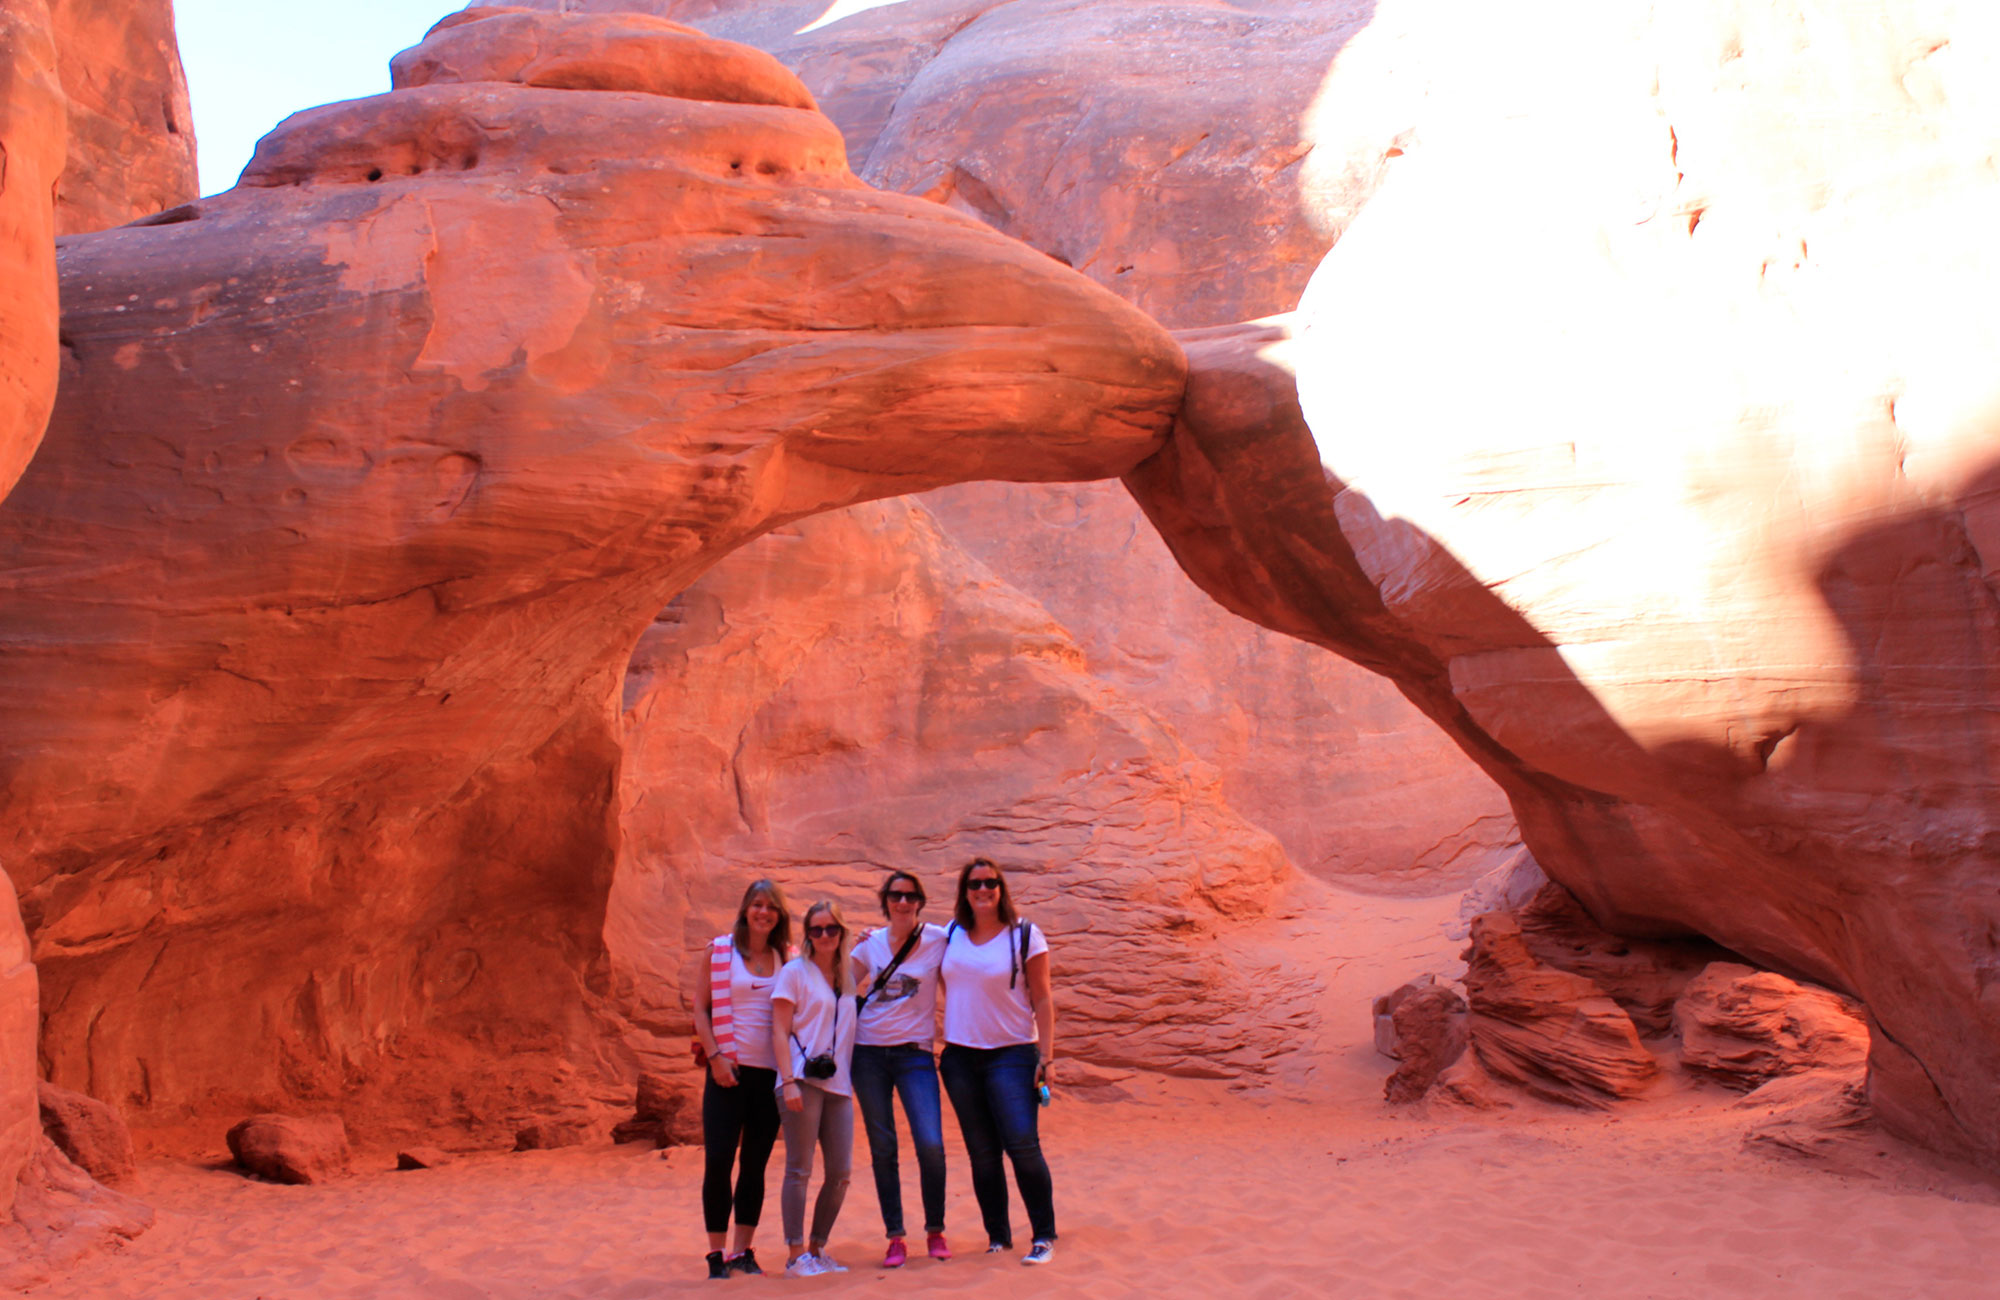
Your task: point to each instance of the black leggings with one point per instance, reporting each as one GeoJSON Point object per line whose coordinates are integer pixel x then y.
{"type": "Point", "coordinates": [746, 1114]}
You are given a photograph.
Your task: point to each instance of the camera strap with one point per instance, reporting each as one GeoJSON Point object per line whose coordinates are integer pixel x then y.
{"type": "Point", "coordinates": [833, 1041]}
{"type": "Point", "coordinates": [880, 980]}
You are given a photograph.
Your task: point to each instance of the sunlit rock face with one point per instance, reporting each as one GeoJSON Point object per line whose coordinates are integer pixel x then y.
{"type": "Point", "coordinates": [368, 476]}
{"type": "Point", "coordinates": [20, 1112]}
{"type": "Point", "coordinates": [1070, 126]}
{"type": "Point", "coordinates": [31, 145]}
{"type": "Point", "coordinates": [1651, 439]}
{"type": "Point", "coordinates": [131, 133]}
{"type": "Point", "coordinates": [853, 693]}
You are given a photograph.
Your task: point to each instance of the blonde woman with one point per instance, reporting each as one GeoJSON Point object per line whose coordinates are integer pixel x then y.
{"type": "Point", "coordinates": [734, 980]}
{"type": "Point", "coordinates": [812, 1037]}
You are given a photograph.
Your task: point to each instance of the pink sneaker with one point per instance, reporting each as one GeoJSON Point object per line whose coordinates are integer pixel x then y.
{"type": "Point", "coordinates": [939, 1251]}
{"type": "Point", "coordinates": [897, 1254]}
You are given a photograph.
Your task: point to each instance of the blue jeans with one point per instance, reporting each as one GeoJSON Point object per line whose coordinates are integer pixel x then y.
{"type": "Point", "coordinates": [993, 1093]}
{"type": "Point", "coordinates": [879, 1074]}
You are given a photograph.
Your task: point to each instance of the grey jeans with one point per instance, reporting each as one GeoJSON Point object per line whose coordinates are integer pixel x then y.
{"type": "Point", "coordinates": [827, 1120]}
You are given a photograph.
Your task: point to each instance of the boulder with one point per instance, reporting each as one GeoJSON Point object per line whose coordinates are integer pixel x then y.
{"type": "Point", "coordinates": [552, 1134]}
{"type": "Point", "coordinates": [131, 133]}
{"type": "Point", "coordinates": [368, 476]}
{"type": "Point", "coordinates": [1644, 976]}
{"type": "Point", "coordinates": [88, 1131]}
{"type": "Point", "coordinates": [32, 136]}
{"type": "Point", "coordinates": [292, 1149]}
{"type": "Point", "coordinates": [1745, 1027]}
{"type": "Point", "coordinates": [422, 1158]}
{"type": "Point", "coordinates": [666, 1113]}
{"type": "Point", "coordinates": [1427, 1023]}
{"type": "Point", "coordinates": [1557, 1035]}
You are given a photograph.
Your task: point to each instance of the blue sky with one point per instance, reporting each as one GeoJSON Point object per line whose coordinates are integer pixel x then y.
{"type": "Point", "coordinates": [252, 62]}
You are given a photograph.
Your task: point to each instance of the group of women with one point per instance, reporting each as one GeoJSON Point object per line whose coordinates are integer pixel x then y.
{"type": "Point", "coordinates": [793, 1042]}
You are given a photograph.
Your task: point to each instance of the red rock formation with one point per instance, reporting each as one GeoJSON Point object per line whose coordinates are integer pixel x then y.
{"type": "Point", "coordinates": [370, 474]}
{"type": "Point", "coordinates": [1667, 485]}
{"type": "Point", "coordinates": [20, 1112]}
{"type": "Point", "coordinates": [1426, 1032]}
{"type": "Point", "coordinates": [90, 1133]}
{"type": "Point", "coordinates": [60, 1215]}
{"type": "Point", "coordinates": [31, 154]}
{"type": "Point", "coordinates": [292, 1149]}
{"type": "Point", "coordinates": [131, 134]}
{"type": "Point", "coordinates": [1555, 1034]}
{"type": "Point", "coordinates": [1644, 976]}
{"type": "Point", "coordinates": [1196, 208]}
{"type": "Point", "coordinates": [1746, 1027]}
{"type": "Point", "coordinates": [853, 693]}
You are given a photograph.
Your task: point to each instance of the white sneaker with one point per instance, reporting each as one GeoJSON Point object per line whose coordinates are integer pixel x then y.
{"type": "Point", "coordinates": [1039, 1253]}
{"type": "Point", "coordinates": [806, 1265]}
{"type": "Point", "coordinates": [828, 1264]}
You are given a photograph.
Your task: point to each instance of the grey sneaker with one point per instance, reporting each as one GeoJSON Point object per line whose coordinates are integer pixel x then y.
{"type": "Point", "coordinates": [1040, 1253]}
{"type": "Point", "coordinates": [828, 1264]}
{"type": "Point", "coordinates": [806, 1265]}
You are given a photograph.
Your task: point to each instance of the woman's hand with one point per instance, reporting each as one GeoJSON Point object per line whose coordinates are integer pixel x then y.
{"type": "Point", "coordinates": [795, 1098]}
{"type": "Point", "coordinates": [723, 1071]}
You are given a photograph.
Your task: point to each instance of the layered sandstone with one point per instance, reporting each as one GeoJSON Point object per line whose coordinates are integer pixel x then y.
{"type": "Point", "coordinates": [368, 476]}
{"type": "Point", "coordinates": [131, 133]}
{"type": "Point", "coordinates": [32, 136]}
{"type": "Point", "coordinates": [1667, 485]}
{"type": "Point", "coordinates": [853, 693]}
{"type": "Point", "coordinates": [1746, 1027]}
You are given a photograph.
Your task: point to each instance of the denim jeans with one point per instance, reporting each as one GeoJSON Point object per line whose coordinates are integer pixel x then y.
{"type": "Point", "coordinates": [993, 1093]}
{"type": "Point", "coordinates": [880, 1073]}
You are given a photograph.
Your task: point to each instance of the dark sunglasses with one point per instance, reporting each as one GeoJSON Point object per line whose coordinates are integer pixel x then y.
{"type": "Point", "coordinates": [983, 882]}
{"type": "Point", "coordinates": [825, 931]}
{"type": "Point", "coordinates": [904, 896]}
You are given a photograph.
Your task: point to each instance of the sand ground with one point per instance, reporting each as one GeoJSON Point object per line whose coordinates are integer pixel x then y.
{"type": "Point", "coordinates": [1307, 1186]}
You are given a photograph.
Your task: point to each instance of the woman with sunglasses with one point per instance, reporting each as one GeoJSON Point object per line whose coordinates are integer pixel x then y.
{"type": "Point", "coordinates": [1000, 1036]}
{"type": "Point", "coordinates": [732, 1026]}
{"type": "Point", "coordinates": [812, 1036]}
{"type": "Point", "coordinates": [892, 1056]}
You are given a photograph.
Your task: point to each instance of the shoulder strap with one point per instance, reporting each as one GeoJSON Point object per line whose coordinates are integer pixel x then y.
{"type": "Point", "coordinates": [1016, 967]}
{"type": "Point", "coordinates": [908, 945]}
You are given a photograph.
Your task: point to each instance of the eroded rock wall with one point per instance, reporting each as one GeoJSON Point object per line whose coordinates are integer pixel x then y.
{"type": "Point", "coordinates": [131, 133]}
{"type": "Point", "coordinates": [853, 693]}
{"type": "Point", "coordinates": [32, 135]}
{"type": "Point", "coordinates": [367, 477]}
{"type": "Point", "coordinates": [1649, 440]}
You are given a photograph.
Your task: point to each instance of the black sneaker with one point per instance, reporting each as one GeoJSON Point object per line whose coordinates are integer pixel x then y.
{"type": "Point", "coordinates": [718, 1267]}
{"type": "Point", "coordinates": [746, 1263]}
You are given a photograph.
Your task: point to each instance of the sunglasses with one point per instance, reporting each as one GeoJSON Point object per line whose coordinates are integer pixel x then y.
{"type": "Point", "coordinates": [983, 882]}
{"type": "Point", "coordinates": [904, 896]}
{"type": "Point", "coordinates": [825, 931]}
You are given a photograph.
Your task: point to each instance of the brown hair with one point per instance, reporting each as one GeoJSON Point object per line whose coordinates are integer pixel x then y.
{"type": "Point", "coordinates": [961, 911]}
{"type": "Point", "coordinates": [882, 894]}
{"type": "Point", "coordinates": [781, 933]}
{"type": "Point", "coordinates": [842, 951]}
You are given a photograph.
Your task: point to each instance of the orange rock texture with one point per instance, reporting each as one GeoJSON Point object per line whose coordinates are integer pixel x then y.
{"type": "Point", "coordinates": [1648, 435]}
{"type": "Point", "coordinates": [31, 150]}
{"type": "Point", "coordinates": [131, 134]}
{"type": "Point", "coordinates": [367, 478]}
{"type": "Point", "coordinates": [1069, 126]}
{"type": "Point", "coordinates": [852, 693]}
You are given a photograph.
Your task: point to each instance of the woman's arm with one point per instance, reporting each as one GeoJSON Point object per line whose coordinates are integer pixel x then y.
{"type": "Point", "coordinates": [782, 1010]}
{"type": "Point", "coordinates": [720, 1067]}
{"type": "Point", "coordinates": [1042, 995]}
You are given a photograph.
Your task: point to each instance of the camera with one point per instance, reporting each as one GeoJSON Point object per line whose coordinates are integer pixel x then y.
{"type": "Point", "coordinates": [820, 1067]}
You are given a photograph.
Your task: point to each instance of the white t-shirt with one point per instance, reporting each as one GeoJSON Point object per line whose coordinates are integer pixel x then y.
{"type": "Point", "coordinates": [979, 1009]}
{"type": "Point", "coordinates": [750, 1012]}
{"type": "Point", "coordinates": [820, 1022]}
{"type": "Point", "coordinates": [905, 1011]}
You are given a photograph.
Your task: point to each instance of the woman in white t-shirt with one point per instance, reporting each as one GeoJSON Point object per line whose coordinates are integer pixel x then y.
{"type": "Point", "coordinates": [812, 1036]}
{"type": "Point", "coordinates": [892, 1056]}
{"type": "Point", "coordinates": [733, 981]}
{"type": "Point", "coordinates": [1000, 1037]}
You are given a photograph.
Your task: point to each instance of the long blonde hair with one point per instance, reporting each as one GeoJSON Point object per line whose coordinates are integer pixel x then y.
{"type": "Point", "coordinates": [842, 950]}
